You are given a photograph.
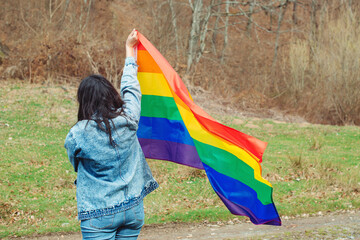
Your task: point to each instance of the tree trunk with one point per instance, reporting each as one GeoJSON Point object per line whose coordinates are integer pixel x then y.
{"type": "Point", "coordinates": [214, 35]}
{"type": "Point", "coordinates": [250, 20]}
{"type": "Point", "coordinates": [225, 33]}
{"type": "Point", "coordinates": [173, 21]}
{"type": "Point", "coordinates": [204, 29]}
{"type": "Point", "coordinates": [194, 33]}
{"type": "Point", "coordinates": [294, 18]}
{"type": "Point", "coordinates": [313, 29]}
{"type": "Point", "coordinates": [280, 19]}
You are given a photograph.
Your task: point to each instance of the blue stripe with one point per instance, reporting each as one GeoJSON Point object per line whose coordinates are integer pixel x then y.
{"type": "Point", "coordinates": [240, 194]}
{"type": "Point", "coordinates": [164, 129]}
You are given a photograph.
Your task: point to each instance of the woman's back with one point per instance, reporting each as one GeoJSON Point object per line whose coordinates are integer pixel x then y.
{"type": "Point", "coordinates": [109, 176]}
{"type": "Point", "coordinates": [113, 176]}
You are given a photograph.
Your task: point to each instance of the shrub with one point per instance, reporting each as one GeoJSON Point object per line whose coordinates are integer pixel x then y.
{"type": "Point", "coordinates": [325, 71]}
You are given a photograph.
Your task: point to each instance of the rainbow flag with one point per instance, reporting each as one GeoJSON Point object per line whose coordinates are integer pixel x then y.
{"type": "Point", "coordinates": [173, 128]}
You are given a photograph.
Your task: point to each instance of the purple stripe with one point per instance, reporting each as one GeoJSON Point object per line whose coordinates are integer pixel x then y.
{"type": "Point", "coordinates": [171, 151]}
{"type": "Point", "coordinates": [244, 211]}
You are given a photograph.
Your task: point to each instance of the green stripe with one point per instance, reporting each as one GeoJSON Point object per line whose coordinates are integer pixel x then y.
{"type": "Point", "coordinates": [228, 164]}
{"type": "Point", "coordinates": [160, 107]}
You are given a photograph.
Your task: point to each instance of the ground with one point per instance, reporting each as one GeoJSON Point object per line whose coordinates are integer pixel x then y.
{"type": "Point", "coordinates": [345, 225]}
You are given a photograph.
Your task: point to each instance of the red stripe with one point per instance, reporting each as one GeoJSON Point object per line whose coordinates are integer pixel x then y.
{"type": "Point", "coordinates": [254, 145]}
{"type": "Point", "coordinates": [140, 46]}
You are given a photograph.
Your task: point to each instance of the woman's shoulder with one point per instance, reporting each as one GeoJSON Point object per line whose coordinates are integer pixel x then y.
{"type": "Point", "coordinates": [124, 120]}
{"type": "Point", "coordinates": [80, 126]}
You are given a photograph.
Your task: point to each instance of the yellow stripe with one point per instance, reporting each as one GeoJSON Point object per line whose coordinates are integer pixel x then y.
{"type": "Point", "coordinates": [199, 133]}
{"type": "Point", "coordinates": [154, 84]}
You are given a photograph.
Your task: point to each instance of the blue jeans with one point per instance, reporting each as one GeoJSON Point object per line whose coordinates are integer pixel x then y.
{"type": "Point", "coordinates": [123, 225]}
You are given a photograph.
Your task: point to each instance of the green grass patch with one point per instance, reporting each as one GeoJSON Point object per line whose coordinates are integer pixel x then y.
{"type": "Point", "coordinates": [312, 167]}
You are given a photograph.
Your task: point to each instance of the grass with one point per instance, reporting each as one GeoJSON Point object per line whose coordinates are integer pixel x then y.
{"type": "Point", "coordinates": [312, 167]}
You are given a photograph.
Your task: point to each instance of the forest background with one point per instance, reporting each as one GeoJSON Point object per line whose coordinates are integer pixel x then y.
{"type": "Point", "coordinates": [299, 56]}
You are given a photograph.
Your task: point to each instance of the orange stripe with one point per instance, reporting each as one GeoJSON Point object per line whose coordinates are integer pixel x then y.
{"type": "Point", "coordinates": [147, 63]}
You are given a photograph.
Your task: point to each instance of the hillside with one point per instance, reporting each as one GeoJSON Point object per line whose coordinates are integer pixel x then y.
{"type": "Point", "coordinates": [298, 56]}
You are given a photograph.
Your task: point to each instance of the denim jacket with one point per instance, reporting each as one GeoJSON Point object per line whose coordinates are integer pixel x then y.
{"type": "Point", "coordinates": [111, 179]}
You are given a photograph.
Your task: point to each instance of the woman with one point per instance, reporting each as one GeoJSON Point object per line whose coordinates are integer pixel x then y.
{"type": "Point", "coordinates": [113, 176]}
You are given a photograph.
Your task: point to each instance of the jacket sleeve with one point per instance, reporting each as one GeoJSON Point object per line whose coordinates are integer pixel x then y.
{"type": "Point", "coordinates": [130, 90]}
{"type": "Point", "coordinates": [72, 150]}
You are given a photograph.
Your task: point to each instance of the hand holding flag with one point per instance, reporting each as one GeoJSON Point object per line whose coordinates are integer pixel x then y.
{"type": "Point", "coordinates": [131, 42]}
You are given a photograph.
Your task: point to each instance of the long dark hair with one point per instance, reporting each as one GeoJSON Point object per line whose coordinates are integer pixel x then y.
{"type": "Point", "coordinates": [99, 101]}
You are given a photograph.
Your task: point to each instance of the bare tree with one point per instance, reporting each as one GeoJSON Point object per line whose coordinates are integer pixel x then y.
{"type": "Point", "coordinates": [53, 7]}
{"type": "Point", "coordinates": [204, 31]}
{"type": "Point", "coordinates": [86, 7]}
{"type": "Point", "coordinates": [225, 31]}
{"type": "Point", "coordinates": [294, 18]}
{"type": "Point", "coordinates": [196, 8]}
{"type": "Point", "coordinates": [202, 12]}
{"type": "Point", "coordinates": [174, 24]}
{"type": "Point", "coordinates": [250, 19]}
{"type": "Point", "coordinates": [282, 10]}
{"type": "Point", "coordinates": [215, 30]}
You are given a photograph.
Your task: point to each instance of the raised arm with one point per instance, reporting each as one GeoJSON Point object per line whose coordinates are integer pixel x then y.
{"type": "Point", "coordinates": [130, 87]}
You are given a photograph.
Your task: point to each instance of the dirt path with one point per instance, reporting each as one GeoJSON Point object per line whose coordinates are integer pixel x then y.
{"type": "Point", "coordinates": [332, 226]}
